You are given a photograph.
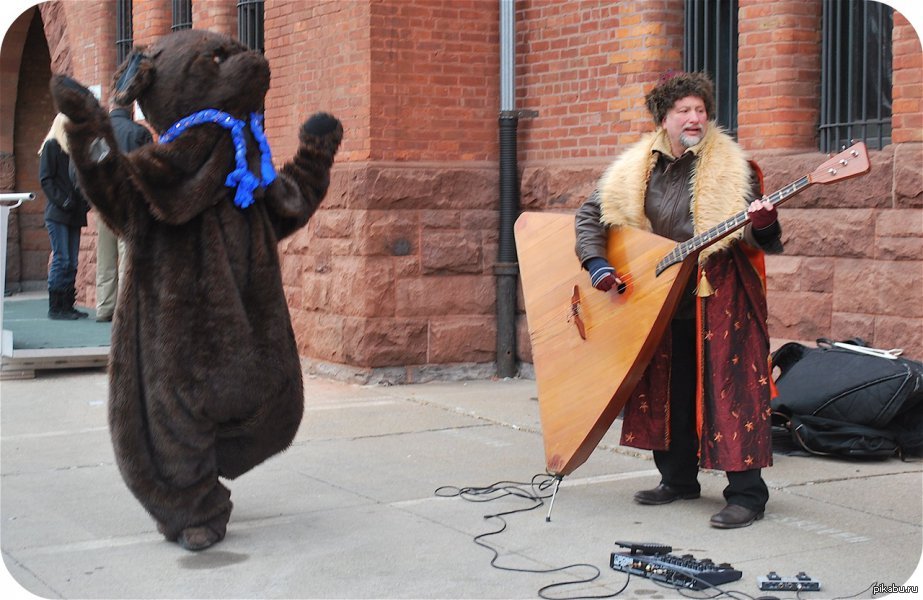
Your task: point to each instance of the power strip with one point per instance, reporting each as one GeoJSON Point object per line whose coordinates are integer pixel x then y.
{"type": "Point", "coordinates": [799, 583]}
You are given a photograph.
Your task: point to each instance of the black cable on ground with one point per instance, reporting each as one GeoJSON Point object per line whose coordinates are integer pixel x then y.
{"type": "Point", "coordinates": [534, 492]}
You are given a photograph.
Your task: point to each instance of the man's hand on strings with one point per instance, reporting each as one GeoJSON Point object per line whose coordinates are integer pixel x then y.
{"type": "Point", "coordinates": [762, 213]}
{"type": "Point", "coordinates": [603, 276]}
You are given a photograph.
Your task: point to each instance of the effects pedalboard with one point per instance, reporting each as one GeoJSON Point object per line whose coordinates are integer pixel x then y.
{"type": "Point", "coordinates": [654, 561]}
{"type": "Point", "coordinates": [798, 583]}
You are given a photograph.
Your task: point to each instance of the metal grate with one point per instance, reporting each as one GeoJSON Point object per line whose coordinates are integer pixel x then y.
{"type": "Point", "coordinates": [711, 47]}
{"type": "Point", "coordinates": [123, 30]}
{"type": "Point", "coordinates": [855, 74]}
{"type": "Point", "coordinates": [250, 23]}
{"type": "Point", "coordinates": [182, 15]}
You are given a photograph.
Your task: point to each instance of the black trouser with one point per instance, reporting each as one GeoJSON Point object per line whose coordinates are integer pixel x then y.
{"type": "Point", "coordinates": [679, 465]}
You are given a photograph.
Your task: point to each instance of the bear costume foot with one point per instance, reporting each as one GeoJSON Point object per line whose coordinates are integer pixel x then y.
{"type": "Point", "coordinates": [200, 538]}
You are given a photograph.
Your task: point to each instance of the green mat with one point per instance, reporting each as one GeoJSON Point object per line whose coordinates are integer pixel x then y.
{"type": "Point", "coordinates": [32, 329]}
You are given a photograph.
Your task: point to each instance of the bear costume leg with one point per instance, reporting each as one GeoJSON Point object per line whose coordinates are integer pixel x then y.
{"type": "Point", "coordinates": [240, 447]}
{"type": "Point", "coordinates": [165, 450]}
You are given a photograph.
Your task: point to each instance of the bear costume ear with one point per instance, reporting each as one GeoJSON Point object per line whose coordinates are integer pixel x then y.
{"type": "Point", "coordinates": [133, 77]}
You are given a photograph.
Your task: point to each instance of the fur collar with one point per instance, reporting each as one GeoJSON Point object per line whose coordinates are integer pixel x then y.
{"type": "Point", "coordinates": [720, 184]}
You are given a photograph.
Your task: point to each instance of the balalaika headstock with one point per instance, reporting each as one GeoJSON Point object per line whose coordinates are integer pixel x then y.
{"type": "Point", "coordinates": [849, 163]}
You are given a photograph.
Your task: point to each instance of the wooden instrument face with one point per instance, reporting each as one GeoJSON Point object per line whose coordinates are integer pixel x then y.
{"type": "Point", "coordinates": [589, 347]}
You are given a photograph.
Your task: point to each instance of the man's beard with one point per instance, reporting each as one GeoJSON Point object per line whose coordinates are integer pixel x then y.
{"type": "Point", "coordinates": [688, 140]}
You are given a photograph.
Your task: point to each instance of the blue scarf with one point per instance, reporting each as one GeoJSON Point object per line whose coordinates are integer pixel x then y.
{"type": "Point", "coordinates": [241, 178]}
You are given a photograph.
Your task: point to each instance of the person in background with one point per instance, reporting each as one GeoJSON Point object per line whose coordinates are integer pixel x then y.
{"type": "Point", "coordinates": [65, 214]}
{"type": "Point", "coordinates": [110, 250]}
{"type": "Point", "coordinates": [704, 399]}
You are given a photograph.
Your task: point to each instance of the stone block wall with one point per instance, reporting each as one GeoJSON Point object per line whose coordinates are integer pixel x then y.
{"type": "Point", "coordinates": [407, 280]}
{"type": "Point", "coordinates": [853, 262]}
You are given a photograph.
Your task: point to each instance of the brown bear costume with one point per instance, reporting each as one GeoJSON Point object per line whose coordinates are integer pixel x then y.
{"type": "Point", "coordinates": [205, 379]}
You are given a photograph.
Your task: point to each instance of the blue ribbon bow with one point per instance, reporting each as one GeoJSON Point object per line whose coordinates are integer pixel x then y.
{"type": "Point", "coordinates": [241, 177]}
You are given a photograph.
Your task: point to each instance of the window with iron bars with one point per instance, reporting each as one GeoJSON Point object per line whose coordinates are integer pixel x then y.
{"type": "Point", "coordinates": [182, 15]}
{"type": "Point", "coordinates": [711, 47]}
{"type": "Point", "coordinates": [250, 23]}
{"type": "Point", "coordinates": [123, 30]}
{"type": "Point", "coordinates": [855, 97]}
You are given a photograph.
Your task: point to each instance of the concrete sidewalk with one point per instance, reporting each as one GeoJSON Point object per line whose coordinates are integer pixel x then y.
{"type": "Point", "coordinates": [349, 511]}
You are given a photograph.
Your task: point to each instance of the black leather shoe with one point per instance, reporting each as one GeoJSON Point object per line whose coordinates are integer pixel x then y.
{"type": "Point", "coordinates": [663, 494]}
{"type": "Point", "coordinates": [733, 516]}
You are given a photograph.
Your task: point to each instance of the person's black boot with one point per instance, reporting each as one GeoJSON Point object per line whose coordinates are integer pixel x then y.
{"type": "Point", "coordinates": [67, 303]}
{"type": "Point", "coordinates": [55, 300]}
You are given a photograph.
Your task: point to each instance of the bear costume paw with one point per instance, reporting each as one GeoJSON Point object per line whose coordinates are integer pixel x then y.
{"type": "Point", "coordinates": [75, 101]}
{"type": "Point", "coordinates": [322, 131]}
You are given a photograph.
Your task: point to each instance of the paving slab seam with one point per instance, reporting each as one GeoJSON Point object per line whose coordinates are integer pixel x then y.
{"type": "Point", "coordinates": [384, 435]}
{"type": "Point", "coordinates": [474, 415]}
{"type": "Point", "coordinates": [914, 524]}
{"type": "Point", "coordinates": [867, 476]}
{"type": "Point", "coordinates": [47, 434]}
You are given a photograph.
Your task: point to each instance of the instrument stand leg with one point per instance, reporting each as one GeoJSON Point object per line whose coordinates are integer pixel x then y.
{"type": "Point", "coordinates": [554, 495]}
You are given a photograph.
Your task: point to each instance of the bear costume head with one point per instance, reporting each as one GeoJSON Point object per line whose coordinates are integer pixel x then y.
{"type": "Point", "coordinates": [189, 71]}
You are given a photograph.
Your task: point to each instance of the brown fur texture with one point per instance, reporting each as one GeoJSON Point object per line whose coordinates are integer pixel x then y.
{"type": "Point", "coordinates": [205, 378]}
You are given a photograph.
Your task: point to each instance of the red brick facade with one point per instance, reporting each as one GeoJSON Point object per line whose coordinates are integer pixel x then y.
{"type": "Point", "coordinates": [394, 275]}
{"type": "Point", "coordinates": [779, 74]}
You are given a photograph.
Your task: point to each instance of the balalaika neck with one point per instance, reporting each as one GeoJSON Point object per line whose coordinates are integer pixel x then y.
{"type": "Point", "coordinates": [706, 238]}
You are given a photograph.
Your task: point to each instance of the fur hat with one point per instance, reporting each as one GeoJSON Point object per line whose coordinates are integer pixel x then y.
{"type": "Point", "coordinates": [675, 85]}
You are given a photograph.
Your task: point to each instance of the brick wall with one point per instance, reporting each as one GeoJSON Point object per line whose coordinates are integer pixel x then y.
{"type": "Point", "coordinates": [14, 41]}
{"type": "Point", "coordinates": [151, 19]}
{"type": "Point", "coordinates": [778, 74]}
{"type": "Point", "coordinates": [306, 77]}
{"type": "Point", "coordinates": [34, 113]}
{"type": "Point", "coordinates": [907, 92]}
{"type": "Point", "coordinates": [434, 86]}
{"type": "Point", "coordinates": [582, 65]}
{"type": "Point", "coordinates": [214, 15]}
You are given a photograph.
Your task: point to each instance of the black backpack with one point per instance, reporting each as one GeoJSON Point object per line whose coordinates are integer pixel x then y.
{"type": "Point", "coordinates": [846, 399]}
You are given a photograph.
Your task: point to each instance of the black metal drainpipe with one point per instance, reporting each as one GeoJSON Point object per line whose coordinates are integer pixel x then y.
{"type": "Point", "coordinates": [507, 267]}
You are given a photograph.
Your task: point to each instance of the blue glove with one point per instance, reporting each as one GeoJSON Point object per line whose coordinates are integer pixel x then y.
{"type": "Point", "coordinates": [602, 275]}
